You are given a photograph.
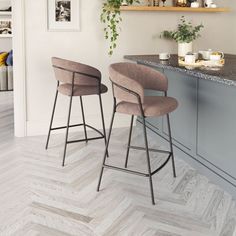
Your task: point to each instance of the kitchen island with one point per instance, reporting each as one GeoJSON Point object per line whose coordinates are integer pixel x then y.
{"type": "Point", "coordinates": [204, 125]}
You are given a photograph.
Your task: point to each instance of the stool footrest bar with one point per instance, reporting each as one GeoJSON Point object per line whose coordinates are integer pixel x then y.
{"type": "Point", "coordinates": [137, 172]}
{"type": "Point", "coordinates": [91, 127]}
{"type": "Point", "coordinates": [64, 127]}
{"type": "Point", "coordinates": [125, 170]}
{"type": "Point", "coordinates": [159, 168]}
{"type": "Point", "coordinates": [83, 140]}
{"type": "Point", "coordinates": [150, 149]}
{"type": "Point", "coordinates": [77, 125]}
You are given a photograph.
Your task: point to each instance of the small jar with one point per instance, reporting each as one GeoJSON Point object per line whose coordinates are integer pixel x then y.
{"type": "Point", "coordinates": [181, 3]}
{"type": "Point", "coordinates": [156, 3]}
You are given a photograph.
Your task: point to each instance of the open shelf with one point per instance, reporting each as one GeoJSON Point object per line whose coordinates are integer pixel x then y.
{"type": "Point", "coordinates": [5, 35]}
{"type": "Point", "coordinates": [175, 9]}
{"type": "Point", "coordinates": [3, 91]}
{"type": "Point", "coordinates": [5, 13]}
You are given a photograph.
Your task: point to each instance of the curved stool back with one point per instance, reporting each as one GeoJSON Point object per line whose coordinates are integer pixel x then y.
{"type": "Point", "coordinates": [84, 74]}
{"type": "Point", "coordinates": [135, 78]}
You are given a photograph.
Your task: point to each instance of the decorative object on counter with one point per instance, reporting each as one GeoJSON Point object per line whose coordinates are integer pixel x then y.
{"type": "Point", "coordinates": [184, 48]}
{"type": "Point", "coordinates": [110, 16]}
{"type": "Point", "coordinates": [208, 60]}
{"type": "Point", "coordinates": [190, 58]}
{"type": "Point", "coordinates": [5, 28]}
{"type": "Point", "coordinates": [213, 65]}
{"type": "Point", "coordinates": [63, 15]}
{"type": "Point", "coordinates": [191, 62]}
{"type": "Point", "coordinates": [217, 56]}
{"type": "Point", "coordinates": [185, 34]}
{"type": "Point", "coordinates": [165, 62]}
{"type": "Point", "coordinates": [205, 54]}
{"type": "Point", "coordinates": [164, 56]}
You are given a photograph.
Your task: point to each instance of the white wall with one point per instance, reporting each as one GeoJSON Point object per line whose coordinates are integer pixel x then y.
{"type": "Point", "coordinates": [5, 43]}
{"type": "Point", "coordinates": [4, 4]}
{"type": "Point", "coordinates": [139, 35]}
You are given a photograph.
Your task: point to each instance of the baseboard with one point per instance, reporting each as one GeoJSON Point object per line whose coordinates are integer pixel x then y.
{"type": "Point", "coordinates": [39, 127]}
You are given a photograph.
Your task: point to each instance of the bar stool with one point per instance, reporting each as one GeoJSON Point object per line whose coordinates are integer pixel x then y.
{"type": "Point", "coordinates": [77, 80]}
{"type": "Point", "coordinates": [129, 82]}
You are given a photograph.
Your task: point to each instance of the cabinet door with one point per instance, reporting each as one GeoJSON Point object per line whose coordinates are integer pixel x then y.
{"type": "Point", "coordinates": [184, 119]}
{"type": "Point", "coordinates": [216, 141]}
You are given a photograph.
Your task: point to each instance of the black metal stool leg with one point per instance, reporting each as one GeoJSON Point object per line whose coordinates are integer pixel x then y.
{"type": "Point", "coordinates": [105, 153]}
{"type": "Point", "coordinates": [83, 116]}
{"type": "Point", "coordinates": [148, 161]}
{"type": "Point", "coordinates": [52, 117]}
{"type": "Point", "coordinates": [129, 141]}
{"type": "Point", "coordinates": [67, 130]}
{"type": "Point", "coordinates": [171, 146]}
{"type": "Point", "coordinates": [103, 122]}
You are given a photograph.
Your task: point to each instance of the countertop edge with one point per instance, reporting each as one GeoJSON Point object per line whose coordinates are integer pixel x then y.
{"type": "Point", "coordinates": [198, 74]}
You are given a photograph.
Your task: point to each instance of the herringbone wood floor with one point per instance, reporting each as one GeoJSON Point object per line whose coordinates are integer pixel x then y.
{"type": "Point", "coordinates": [39, 197]}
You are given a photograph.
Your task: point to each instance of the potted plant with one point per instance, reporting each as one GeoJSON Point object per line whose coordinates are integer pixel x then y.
{"type": "Point", "coordinates": [185, 34]}
{"type": "Point", "coordinates": [111, 17]}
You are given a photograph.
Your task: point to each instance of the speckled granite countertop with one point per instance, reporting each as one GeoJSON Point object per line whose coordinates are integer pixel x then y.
{"type": "Point", "coordinates": [225, 75]}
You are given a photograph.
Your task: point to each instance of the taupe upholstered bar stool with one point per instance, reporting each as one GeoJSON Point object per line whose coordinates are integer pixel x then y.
{"type": "Point", "coordinates": [129, 82]}
{"type": "Point", "coordinates": [76, 79]}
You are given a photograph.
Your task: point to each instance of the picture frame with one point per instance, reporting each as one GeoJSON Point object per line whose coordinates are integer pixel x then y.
{"type": "Point", "coordinates": [5, 28]}
{"type": "Point", "coordinates": [63, 15]}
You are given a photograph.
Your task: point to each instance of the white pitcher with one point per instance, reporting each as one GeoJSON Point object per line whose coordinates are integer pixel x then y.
{"type": "Point", "coordinates": [208, 3]}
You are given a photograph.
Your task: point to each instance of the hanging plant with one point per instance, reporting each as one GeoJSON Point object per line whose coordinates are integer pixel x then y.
{"type": "Point", "coordinates": [111, 17]}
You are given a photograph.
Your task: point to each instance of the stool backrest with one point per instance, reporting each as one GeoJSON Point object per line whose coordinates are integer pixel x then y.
{"type": "Point", "coordinates": [134, 78]}
{"type": "Point", "coordinates": [84, 74]}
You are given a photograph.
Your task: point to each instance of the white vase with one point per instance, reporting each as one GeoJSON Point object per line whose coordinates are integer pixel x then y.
{"type": "Point", "coordinates": [124, 3]}
{"type": "Point", "coordinates": [184, 48]}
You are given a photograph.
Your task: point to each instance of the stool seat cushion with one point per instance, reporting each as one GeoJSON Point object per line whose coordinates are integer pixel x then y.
{"type": "Point", "coordinates": [153, 106]}
{"type": "Point", "coordinates": [81, 90]}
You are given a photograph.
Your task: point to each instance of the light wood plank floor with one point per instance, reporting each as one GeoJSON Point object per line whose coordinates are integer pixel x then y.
{"type": "Point", "coordinates": [39, 197]}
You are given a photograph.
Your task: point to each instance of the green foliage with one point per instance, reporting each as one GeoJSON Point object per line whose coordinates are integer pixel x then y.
{"type": "Point", "coordinates": [110, 16]}
{"type": "Point", "coordinates": [185, 32]}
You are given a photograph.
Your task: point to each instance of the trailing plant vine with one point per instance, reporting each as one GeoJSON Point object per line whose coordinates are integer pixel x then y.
{"type": "Point", "coordinates": [111, 17]}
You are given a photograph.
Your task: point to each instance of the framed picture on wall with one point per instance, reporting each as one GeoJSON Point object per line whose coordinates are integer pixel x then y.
{"type": "Point", "coordinates": [63, 15]}
{"type": "Point", "coordinates": [5, 28]}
